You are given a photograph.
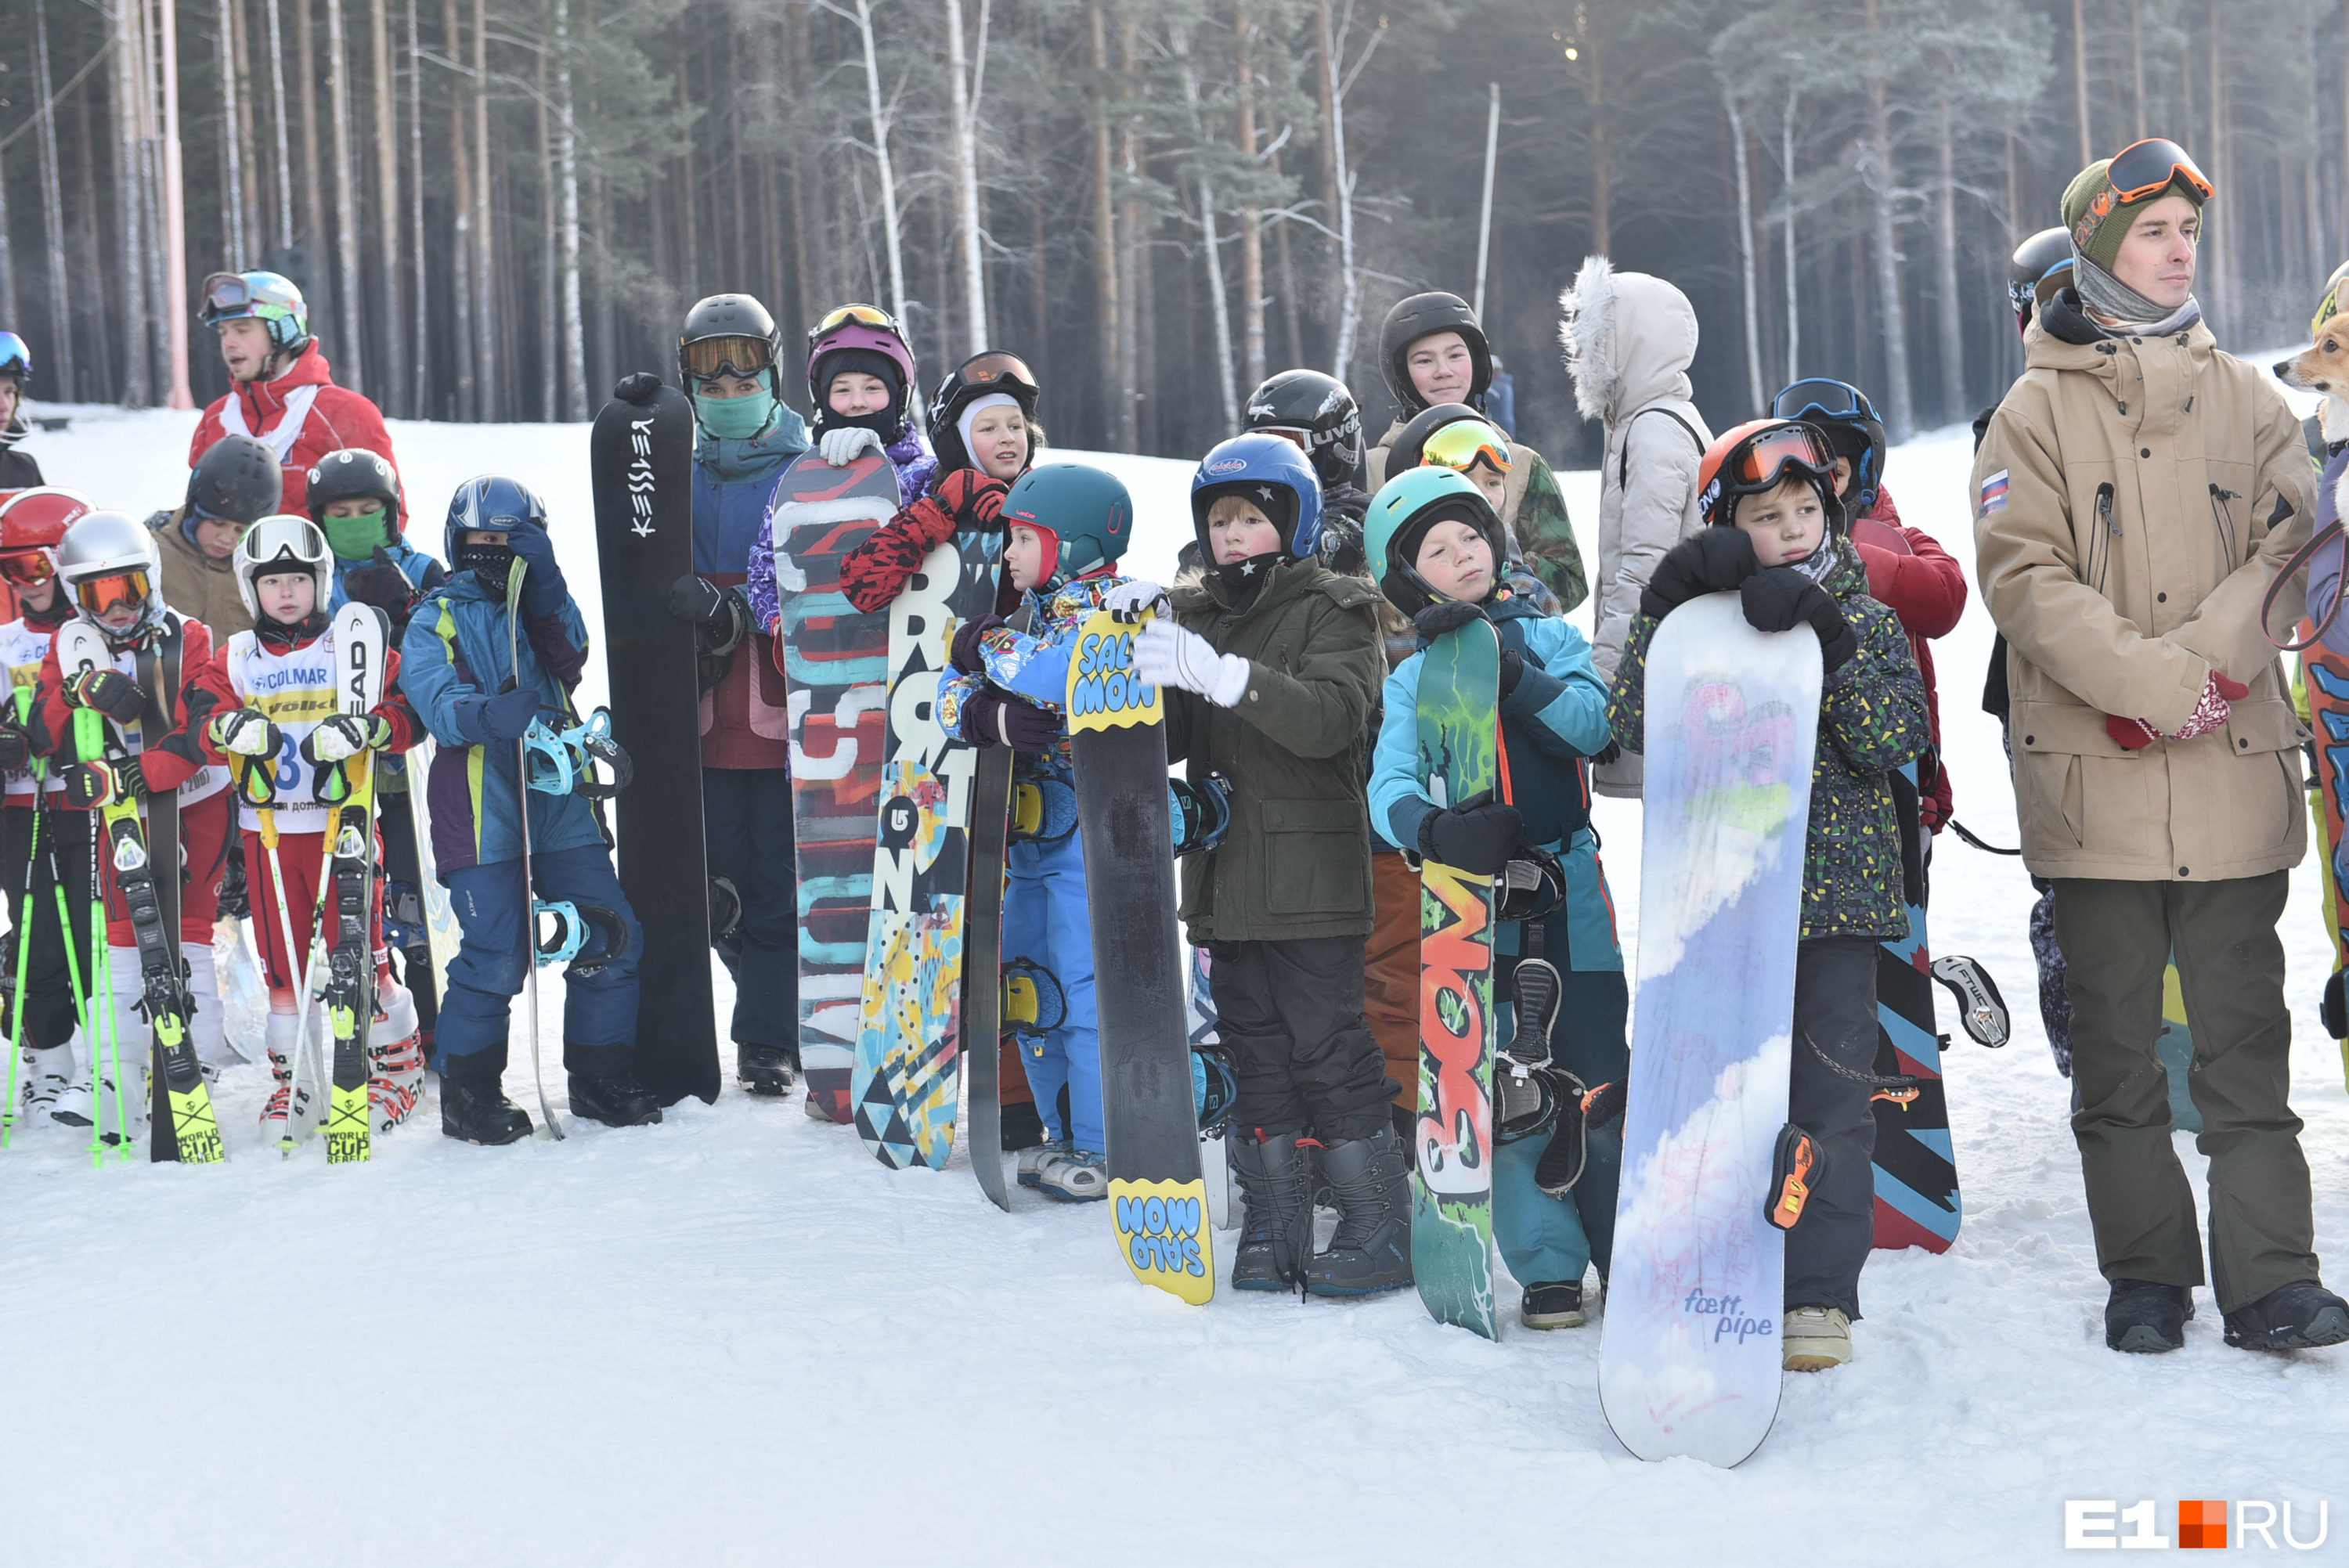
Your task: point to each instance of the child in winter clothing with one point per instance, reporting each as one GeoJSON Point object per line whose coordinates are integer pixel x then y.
{"type": "Point", "coordinates": [478, 701]}
{"type": "Point", "coordinates": [1270, 667]}
{"type": "Point", "coordinates": [31, 525]}
{"type": "Point", "coordinates": [234, 483]}
{"type": "Point", "coordinates": [1066, 526]}
{"type": "Point", "coordinates": [1434, 540]}
{"type": "Point", "coordinates": [276, 725]}
{"type": "Point", "coordinates": [729, 359]}
{"type": "Point", "coordinates": [110, 566]}
{"type": "Point", "coordinates": [1776, 536]}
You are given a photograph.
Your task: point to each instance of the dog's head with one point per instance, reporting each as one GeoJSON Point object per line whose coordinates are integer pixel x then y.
{"type": "Point", "coordinates": [2323, 368]}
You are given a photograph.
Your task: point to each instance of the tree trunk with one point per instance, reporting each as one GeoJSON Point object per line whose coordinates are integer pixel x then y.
{"type": "Point", "coordinates": [174, 278]}
{"type": "Point", "coordinates": [130, 192]}
{"type": "Point", "coordinates": [1040, 248]}
{"type": "Point", "coordinates": [348, 358]}
{"type": "Point", "coordinates": [1129, 243]}
{"type": "Point", "coordinates": [965, 90]}
{"type": "Point", "coordinates": [1105, 289]}
{"type": "Point", "coordinates": [1324, 145]}
{"type": "Point", "coordinates": [53, 213]}
{"type": "Point", "coordinates": [1602, 166]}
{"type": "Point", "coordinates": [285, 159]}
{"type": "Point", "coordinates": [1794, 271]}
{"type": "Point", "coordinates": [2137, 64]}
{"type": "Point", "coordinates": [1251, 217]}
{"type": "Point", "coordinates": [1217, 307]}
{"type": "Point", "coordinates": [104, 385]}
{"type": "Point", "coordinates": [387, 196]}
{"type": "Point", "coordinates": [249, 212]}
{"type": "Point", "coordinates": [567, 161]}
{"type": "Point", "coordinates": [2079, 75]}
{"type": "Point", "coordinates": [887, 170]}
{"type": "Point", "coordinates": [2220, 282]}
{"type": "Point", "coordinates": [1875, 155]}
{"type": "Point", "coordinates": [1755, 395]}
{"type": "Point", "coordinates": [490, 374]}
{"type": "Point", "coordinates": [1349, 276]}
{"type": "Point", "coordinates": [421, 316]}
{"type": "Point", "coordinates": [7, 261]}
{"type": "Point", "coordinates": [1290, 329]}
{"type": "Point", "coordinates": [232, 147]}
{"type": "Point", "coordinates": [547, 331]}
{"type": "Point", "coordinates": [313, 233]}
{"type": "Point", "coordinates": [1952, 312]}
{"type": "Point", "coordinates": [469, 399]}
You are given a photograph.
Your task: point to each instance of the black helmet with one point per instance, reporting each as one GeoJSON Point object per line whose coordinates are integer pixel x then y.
{"type": "Point", "coordinates": [2040, 265]}
{"type": "Point", "coordinates": [1416, 317]}
{"type": "Point", "coordinates": [1319, 409]}
{"type": "Point", "coordinates": [711, 324]}
{"type": "Point", "coordinates": [355, 473]}
{"type": "Point", "coordinates": [237, 477]}
{"type": "Point", "coordinates": [983, 374]}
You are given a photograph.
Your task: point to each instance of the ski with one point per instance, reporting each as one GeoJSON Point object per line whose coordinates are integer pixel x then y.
{"type": "Point", "coordinates": [359, 634]}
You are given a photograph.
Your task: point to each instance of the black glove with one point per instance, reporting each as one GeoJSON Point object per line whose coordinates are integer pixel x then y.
{"type": "Point", "coordinates": [110, 692]}
{"type": "Point", "coordinates": [89, 785]}
{"type": "Point", "coordinates": [1607, 755]}
{"type": "Point", "coordinates": [1781, 598]}
{"type": "Point", "coordinates": [965, 654]}
{"type": "Point", "coordinates": [1512, 670]}
{"type": "Point", "coordinates": [16, 749]}
{"type": "Point", "coordinates": [1710, 561]}
{"type": "Point", "coordinates": [1477, 836]}
{"type": "Point", "coordinates": [639, 389]}
{"type": "Point", "coordinates": [381, 582]}
{"type": "Point", "coordinates": [698, 600]}
{"type": "Point", "coordinates": [994, 719]}
{"type": "Point", "coordinates": [1448, 617]}
{"type": "Point", "coordinates": [235, 898]}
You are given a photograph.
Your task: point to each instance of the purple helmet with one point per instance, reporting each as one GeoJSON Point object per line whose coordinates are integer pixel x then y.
{"type": "Point", "coordinates": [862, 326]}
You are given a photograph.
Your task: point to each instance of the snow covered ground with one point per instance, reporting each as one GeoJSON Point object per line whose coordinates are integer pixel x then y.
{"type": "Point", "coordinates": [735, 1339]}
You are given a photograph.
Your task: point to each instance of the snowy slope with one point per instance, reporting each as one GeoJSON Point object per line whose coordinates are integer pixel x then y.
{"type": "Point", "coordinates": [734, 1338]}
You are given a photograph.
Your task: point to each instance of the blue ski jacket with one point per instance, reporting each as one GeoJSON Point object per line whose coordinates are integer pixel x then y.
{"type": "Point", "coordinates": [733, 482]}
{"type": "Point", "coordinates": [1032, 665]}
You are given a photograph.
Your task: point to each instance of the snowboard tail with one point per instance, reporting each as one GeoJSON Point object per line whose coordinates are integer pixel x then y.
{"type": "Point", "coordinates": [1916, 1201]}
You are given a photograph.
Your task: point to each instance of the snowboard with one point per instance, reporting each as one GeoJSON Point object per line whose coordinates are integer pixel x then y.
{"type": "Point", "coordinates": [1451, 1170]}
{"type": "Point", "coordinates": [1916, 1201]}
{"type": "Point", "coordinates": [1689, 1349]}
{"type": "Point", "coordinates": [2326, 675]}
{"type": "Point", "coordinates": [640, 457]}
{"type": "Point", "coordinates": [836, 671]}
{"type": "Point", "coordinates": [907, 1074]}
{"type": "Point", "coordinates": [982, 972]}
{"type": "Point", "coordinates": [1157, 1200]}
{"type": "Point", "coordinates": [1215, 1164]}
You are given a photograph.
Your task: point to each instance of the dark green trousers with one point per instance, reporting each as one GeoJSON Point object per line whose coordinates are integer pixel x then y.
{"type": "Point", "coordinates": [2116, 936]}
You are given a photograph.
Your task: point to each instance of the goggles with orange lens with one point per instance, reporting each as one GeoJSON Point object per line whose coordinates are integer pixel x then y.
{"type": "Point", "coordinates": [869, 314]}
{"type": "Point", "coordinates": [111, 590]}
{"type": "Point", "coordinates": [26, 568]}
{"type": "Point", "coordinates": [746, 356]}
{"type": "Point", "coordinates": [1464, 443]}
{"type": "Point", "coordinates": [1761, 461]}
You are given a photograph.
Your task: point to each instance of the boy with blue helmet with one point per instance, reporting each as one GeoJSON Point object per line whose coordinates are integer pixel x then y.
{"type": "Point", "coordinates": [1270, 664]}
{"type": "Point", "coordinates": [477, 702]}
{"type": "Point", "coordinates": [1436, 547]}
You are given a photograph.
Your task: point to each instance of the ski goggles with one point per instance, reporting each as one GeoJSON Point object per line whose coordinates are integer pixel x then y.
{"type": "Point", "coordinates": [868, 314]}
{"type": "Point", "coordinates": [27, 567]}
{"type": "Point", "coordinates": [996, 370]}
{"type": "Point", "coordinates": [15, 358]}
{"type": "Point", "coordinates": [110, 591]}
{"type": "Point", "coordinates": [2145, 169]}
{"type": "Point", "coordinates": [1762, 460]}
{"type": "Point", "coordinates": [226, 296]}
{"type": "Point", "coordinates": [743, 355]}
{"type": "Point", "coordinates": [1463, 444]}
{"type": "Point", "coordinates": [1824, 398]}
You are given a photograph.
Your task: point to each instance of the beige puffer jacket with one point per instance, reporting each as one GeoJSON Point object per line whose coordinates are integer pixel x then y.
{"type": "Point", "coordinates": [2134, 498]}
{"type": "Point", "coordinates": [195, 584]}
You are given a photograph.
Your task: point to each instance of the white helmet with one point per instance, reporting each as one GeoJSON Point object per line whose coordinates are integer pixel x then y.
{"type": "Point", "coordinates": [107, 558]}
{"type": "Point", "coordinates": [277, 543]}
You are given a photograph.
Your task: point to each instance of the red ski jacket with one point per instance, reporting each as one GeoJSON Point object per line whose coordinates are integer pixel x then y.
{"type": "Point", "coordinates": [1909, 572]}
{"type": "Point", "coordinates": [304, 416]}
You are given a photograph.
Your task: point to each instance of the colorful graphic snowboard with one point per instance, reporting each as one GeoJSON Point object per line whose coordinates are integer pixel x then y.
{"type": "Point", "coordinates": [908, 1073]}
{"type": "Point", "coordinates": [836, 669]}
{"type": "Point", "coordinates": [1452, 1175]}
{"type": "Point", "coordinates": [2325, 675]}
{"type": "Point", "coordinates": [1689, 1349]}
{"type": "Point", "coordinates": [1157, 1200]}
{"type": "Point", "coordinates": [1916, 1201]}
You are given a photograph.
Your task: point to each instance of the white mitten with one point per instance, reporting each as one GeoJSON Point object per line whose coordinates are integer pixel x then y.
{"type": "Point", "coordinates": [842, 448]}
{"type": "Point", "coordinates": [1128, 600]}
{"type": "Point", "coordinates": [1167, 654]}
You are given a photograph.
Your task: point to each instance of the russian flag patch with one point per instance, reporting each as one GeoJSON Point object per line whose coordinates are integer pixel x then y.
{"type": "Point", "coordinates": [1993, 493]}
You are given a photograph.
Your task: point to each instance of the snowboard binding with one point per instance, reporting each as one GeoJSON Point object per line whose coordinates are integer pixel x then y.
{"type": "Point", "coordinates": [1033, 1002]}
{"type": "Point", "coordinates": [1202, 813]}
{"type": "Point", "coordinates": [1215, 1089]}
{"type": "Point", "coordinates": [1796, 1168]}
{"type": "Point", "coordinates": [564, 761]}
{"type": "Point", "coordinates": [585, 937]}
{"type": "Point", "coordinates": [1981, 1011]}
{"type": "Point", "coordinates": [1043, 811]}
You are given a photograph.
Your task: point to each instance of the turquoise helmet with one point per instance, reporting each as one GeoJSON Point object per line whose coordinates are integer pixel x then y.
{"type": "Point", "coordinates": [1401, 512]}
{"type": "Point", "coordinates": [1087, 512]}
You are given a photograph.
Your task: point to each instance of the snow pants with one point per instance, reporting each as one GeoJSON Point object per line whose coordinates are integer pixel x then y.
{"type": "Point", "coordinates": [1545, 1240]}
{"type": "Point", "coordinates": [1290, 1014]}
{"type": "Point", "coordinates": [1391, 970]}
{"type": "Point", "coordinates": [2117, 937]}
{"type": "Point", "coordinates": [1047, 920]}
{"type": "Point", "coordinates": [746, 821]}
{"type": "Point", "coordinates": [301, 862]}
{"type": "Point", "coordinates": [599, 1002]}
{"type": "Point", "coordinates": [47, 971]}
{"type": "Point", "coordinates": [1835, 1028]}
{"type": "Point", "coordinates": [205, 829]}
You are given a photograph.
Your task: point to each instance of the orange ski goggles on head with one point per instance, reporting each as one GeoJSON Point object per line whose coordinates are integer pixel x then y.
{"type": "Point", "coordinates": [2145, 167]}
{"type": "Point", "coordinates": [870, 314]}
{"type": "Point", "coordinates": [110, 591]}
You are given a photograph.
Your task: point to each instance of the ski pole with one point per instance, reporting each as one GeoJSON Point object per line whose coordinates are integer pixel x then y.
{"type": "Point", "coordinates": [285, 937]}
{"type": "Point", "coordinates": [24, 964]}
{"type": "Point", "coordinates": [522, 799]}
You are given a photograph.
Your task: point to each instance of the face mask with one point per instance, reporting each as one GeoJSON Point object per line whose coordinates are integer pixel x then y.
{"type": "Point", "coordinates": [492, 563]}
{"type": "Point", "coordinates": [355, 538]}
{"type": "Point", "coordinates": [734, 418]}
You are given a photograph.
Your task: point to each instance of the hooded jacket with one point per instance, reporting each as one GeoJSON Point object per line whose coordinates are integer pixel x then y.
{"type": "Point", "coordinates": [2134, 500]}
{"type": "Point", "coordinates": [304, 416]}
{"type": "Point", "coordinates": [745, 718]}
{"type": "Point", "coordinates": [1922, 584]}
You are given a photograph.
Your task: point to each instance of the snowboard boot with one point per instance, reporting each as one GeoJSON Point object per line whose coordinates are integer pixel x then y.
{"type": "Point", "coordinates": [1074, 1176]}
{"type": "Point", "coordinates": [1276, 1231]}
{"type": "Point", "coordinates": [767, 1071]}
{"type": "Point", "coordinates": [1022, 1127]}
{"type": "Point", "coordinates": [2145, 1319]}
{"type": "Point", "coordinates": [2301, 1316]}
{"type": "Point", "coordinates": [617, 1098]}
{"type": "Point", "coordinates": [474, 1104]}
{"type": "Point", "coordinates": [1371, 1250]}
{"type": "Point", "coordinates": [1036, 1156]}
{"type": "Point", "coordinates": [1816, 1338]}
{"type": "Point", "coordinates": [1553, 1305]}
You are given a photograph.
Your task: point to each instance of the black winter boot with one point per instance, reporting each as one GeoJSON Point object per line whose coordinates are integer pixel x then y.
{"type": "Point", "coordinates": [1022, 1127]}
{"type": "Point", "coordinates": [767, 1070]}
{"type": "Point", "coordinates": [2301, 1316]}
{"type": "Point", "coordinates": [1372, 1249]}
{"type": "Point", "coordinates": [616, 1098]}
{"type": "Point", "coordinates": [1277, 1230]}
{"type": "Point", "coordinates": [474, 1112]}
{"type": "Point", "coordinates": [2145, 1318]}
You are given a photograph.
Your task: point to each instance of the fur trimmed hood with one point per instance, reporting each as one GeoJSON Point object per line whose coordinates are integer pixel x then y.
{"type": "Point", "coordinates": [1629, 339]}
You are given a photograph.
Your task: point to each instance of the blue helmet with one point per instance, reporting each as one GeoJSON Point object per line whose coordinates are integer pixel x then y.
{"type": "Point", "coordinates": [1852, 427]}
{"type": "Point", "coordinates": [1274, 473]}
{"type": "Point", "coordinates": [491, 501]}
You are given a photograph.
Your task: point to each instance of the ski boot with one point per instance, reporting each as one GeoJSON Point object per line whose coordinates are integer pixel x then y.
{"type": "Point", "coordinates": [2301, 1316]}
{"type": "Point", "coordinates": [1276, 1231]}
{"type": "Point", "coordinates": [283, 1099]}
{"type": "Point", "coordinates": [1074, 1176]}
{"type": "Point", "coordinates": [474, 1104]}
{"type": "Point", "coordinates": [89, 1099]}
{"type": "Point", "coordinates": [616, 1098]}
{"type": "Point", "coordinates": [767, 1071]}
{"type": "Point", "coordinates": [395, 1062]}
{"type": "Point", "coordinates": [1371, 1250]}
{"type": "Point", "coordinates": [49, 1073]}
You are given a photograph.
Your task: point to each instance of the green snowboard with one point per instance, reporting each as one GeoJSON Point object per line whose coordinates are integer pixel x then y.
{"type": "Point", "coordinates": [1451, 1178]}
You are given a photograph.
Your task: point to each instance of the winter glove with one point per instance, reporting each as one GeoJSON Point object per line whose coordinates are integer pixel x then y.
{"type": "Point", "coordinates": [1167, 654]}
{"type": "Point", "coordinates": [639, 388]}
{"type": "Point", "coordinates": [974, 501]}
{"type": "Point", "coordinates": [15, 749]}
{"type": "Point", "coordinates": [992, 718]}
{"type": "Point", "coordinates": [381, 582]}
{"type": "Point", "coordinates": [1709, 561]}
{"type": "Point", "coordinates": [235, 894]}
{"type": "Point", "coordinates": [2211, 713]}
{"type": "Point", "coordinates": [1447, 617]}
{"type": "Point", "coordinates": [505, 716]}
{"type": "Point", "coordinates": [843, 447]}
{"type": "Point", "coordinates": [1127, 600]}
{"type": "Point", "coordinates": [1477, 836]}
{"type": "Point", "coordinates": [1512, 670]}
{"type": "Point", "coordinates": [1780, 598]}
{"type": "Point", "coordinates": [1607, 755]}
{"type": "Point", "coordinates": [967, 654]}
{"type": "Point", "coordinates": [246, 732]}
{"type": "Point", "coordinates": [345, 735]}
{"type": "Point", "coordinates": [110, 692]}
{"type": "Point", "coordinates": [89, 785]}
{"type": "Point", "coordinates": [542, 590]}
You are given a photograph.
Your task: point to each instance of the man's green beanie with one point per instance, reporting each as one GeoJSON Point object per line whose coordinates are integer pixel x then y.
{"type": "Point", "coordinates": [2099, 220]}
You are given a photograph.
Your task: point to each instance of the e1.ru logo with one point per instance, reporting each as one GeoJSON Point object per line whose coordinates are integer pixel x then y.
{"type": "Point", "coordinates": [2096, 1525]}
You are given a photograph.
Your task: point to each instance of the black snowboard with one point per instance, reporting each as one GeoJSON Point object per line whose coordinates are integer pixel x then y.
{"type": "Point", "coordinates": [641, 458]}
{"type": "Point", "coordinates": [982, 963]}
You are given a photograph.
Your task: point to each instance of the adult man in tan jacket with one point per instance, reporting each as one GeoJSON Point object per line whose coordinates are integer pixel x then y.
{"type": "Point", "coordinates": [2136, 496]}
